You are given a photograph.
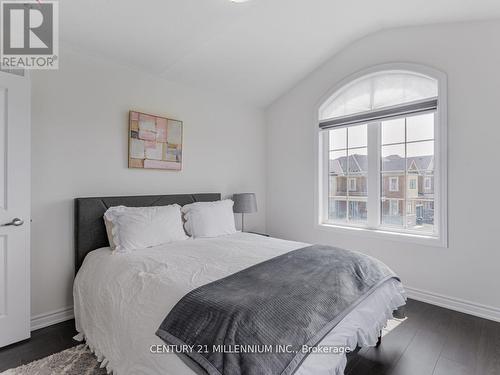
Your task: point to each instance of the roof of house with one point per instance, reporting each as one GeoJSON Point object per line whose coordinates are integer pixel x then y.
{"type": "Point", "coordinates": [392, 163]}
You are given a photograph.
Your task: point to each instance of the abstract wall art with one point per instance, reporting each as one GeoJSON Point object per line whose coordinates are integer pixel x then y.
{"type": "Point", "coordinates": [154, 142]}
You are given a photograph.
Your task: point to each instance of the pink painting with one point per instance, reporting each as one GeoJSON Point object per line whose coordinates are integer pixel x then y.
{"type": "Point", "coordinates": [154, 142]}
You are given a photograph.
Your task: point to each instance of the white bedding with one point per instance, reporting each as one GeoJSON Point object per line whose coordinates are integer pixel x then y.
{"type": "Point", "coordinates": [121, 299]}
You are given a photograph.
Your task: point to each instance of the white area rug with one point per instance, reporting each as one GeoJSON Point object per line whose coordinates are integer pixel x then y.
{"type": "Point", "coordinates": [78, 360]}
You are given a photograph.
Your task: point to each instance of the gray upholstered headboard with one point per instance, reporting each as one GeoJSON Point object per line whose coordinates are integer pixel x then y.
{"type": "Point", "coordinates": [90, 232]}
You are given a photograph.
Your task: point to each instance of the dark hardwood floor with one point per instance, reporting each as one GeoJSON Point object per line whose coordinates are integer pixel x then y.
{"type": "Point", "coordinates": [430, 341]}
{"type": "Point", "coordinates": [43, 342]}
{"type": "Point", "coordinates": [433, 341]}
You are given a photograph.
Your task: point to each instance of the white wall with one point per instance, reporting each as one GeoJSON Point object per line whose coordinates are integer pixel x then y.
{"type": "Point", "coordinates": [470, 55]}
{"type": "Point", "coordinates": [79, 148]}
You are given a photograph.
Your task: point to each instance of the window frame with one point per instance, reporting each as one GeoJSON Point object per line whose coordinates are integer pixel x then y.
{"type": "Point", "coordinates": [372, 229]}
{"type": "Point", "coordinates": [391, 178]}
{"type": "Point", "coordinates": [350, 188]}
{"type": "Point", "coordinates": [429, 180]}
{"type": "Point", "coordinates": [393, 212]}
{"type": "Point", "coordinates": [412, 181]}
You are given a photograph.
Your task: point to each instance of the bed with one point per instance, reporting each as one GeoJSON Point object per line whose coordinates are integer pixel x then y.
{"type": "Point", "coordinates": [116, 296]}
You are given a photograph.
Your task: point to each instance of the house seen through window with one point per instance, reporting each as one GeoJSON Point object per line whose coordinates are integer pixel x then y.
{"type": "Point", "coordinates": [378, 153]}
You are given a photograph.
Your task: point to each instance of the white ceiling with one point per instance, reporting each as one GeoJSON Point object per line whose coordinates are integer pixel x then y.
{"type": "Point", "coordinates": [255, 50]}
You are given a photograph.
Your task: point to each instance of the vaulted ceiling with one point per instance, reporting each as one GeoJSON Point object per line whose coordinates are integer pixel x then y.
{"type": "Point", "coordinates": [255, 50]}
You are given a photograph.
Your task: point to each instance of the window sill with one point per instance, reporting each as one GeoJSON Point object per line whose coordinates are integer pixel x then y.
{"type": "Point", "coordinates": [382, 234]}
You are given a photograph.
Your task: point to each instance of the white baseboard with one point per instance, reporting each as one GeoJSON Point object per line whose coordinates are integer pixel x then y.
{"type": "Point", "coordinates": [457, 304]}
{"type": "Point", "coordinates": [53, 317]}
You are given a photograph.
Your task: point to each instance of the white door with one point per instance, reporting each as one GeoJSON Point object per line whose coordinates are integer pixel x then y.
{"type": "Point", "coordinates": [15, 148]}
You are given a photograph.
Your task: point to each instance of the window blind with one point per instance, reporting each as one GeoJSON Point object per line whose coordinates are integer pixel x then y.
{"type": "Point", "coordinates": [380, 114]}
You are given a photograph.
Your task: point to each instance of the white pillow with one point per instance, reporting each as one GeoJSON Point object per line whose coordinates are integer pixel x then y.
{"type": "Point", "coordinates": [209, 219]}
{"type": "Point", "coordinates": [109, 228]}
{"type": "Point", "coordinates": [133, 228]}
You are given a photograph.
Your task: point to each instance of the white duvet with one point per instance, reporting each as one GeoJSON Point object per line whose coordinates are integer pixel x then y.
{"type": "Point", "coordinates": [121, 299]}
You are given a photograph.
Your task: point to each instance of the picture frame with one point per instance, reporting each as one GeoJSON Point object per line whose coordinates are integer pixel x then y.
{"type": "Point", "coordinates": [154, 142]}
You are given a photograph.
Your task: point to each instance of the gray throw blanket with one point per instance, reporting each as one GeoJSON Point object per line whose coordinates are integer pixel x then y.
{"type": "Point", "coordinates": [291, 300]}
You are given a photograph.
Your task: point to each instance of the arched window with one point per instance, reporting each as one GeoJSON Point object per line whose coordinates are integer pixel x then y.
{"type": "Point", "coordinates": [379, 90]}
{"type": "Point", "coordinates": [382, 143]}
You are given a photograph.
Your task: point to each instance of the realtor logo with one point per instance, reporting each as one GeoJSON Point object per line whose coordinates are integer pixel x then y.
{"type": "Point", "coordinates": [29, 37]}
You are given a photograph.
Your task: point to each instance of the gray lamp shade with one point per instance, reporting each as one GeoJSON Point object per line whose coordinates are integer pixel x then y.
{"type": "Point", "coordinates": [244, 203]}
